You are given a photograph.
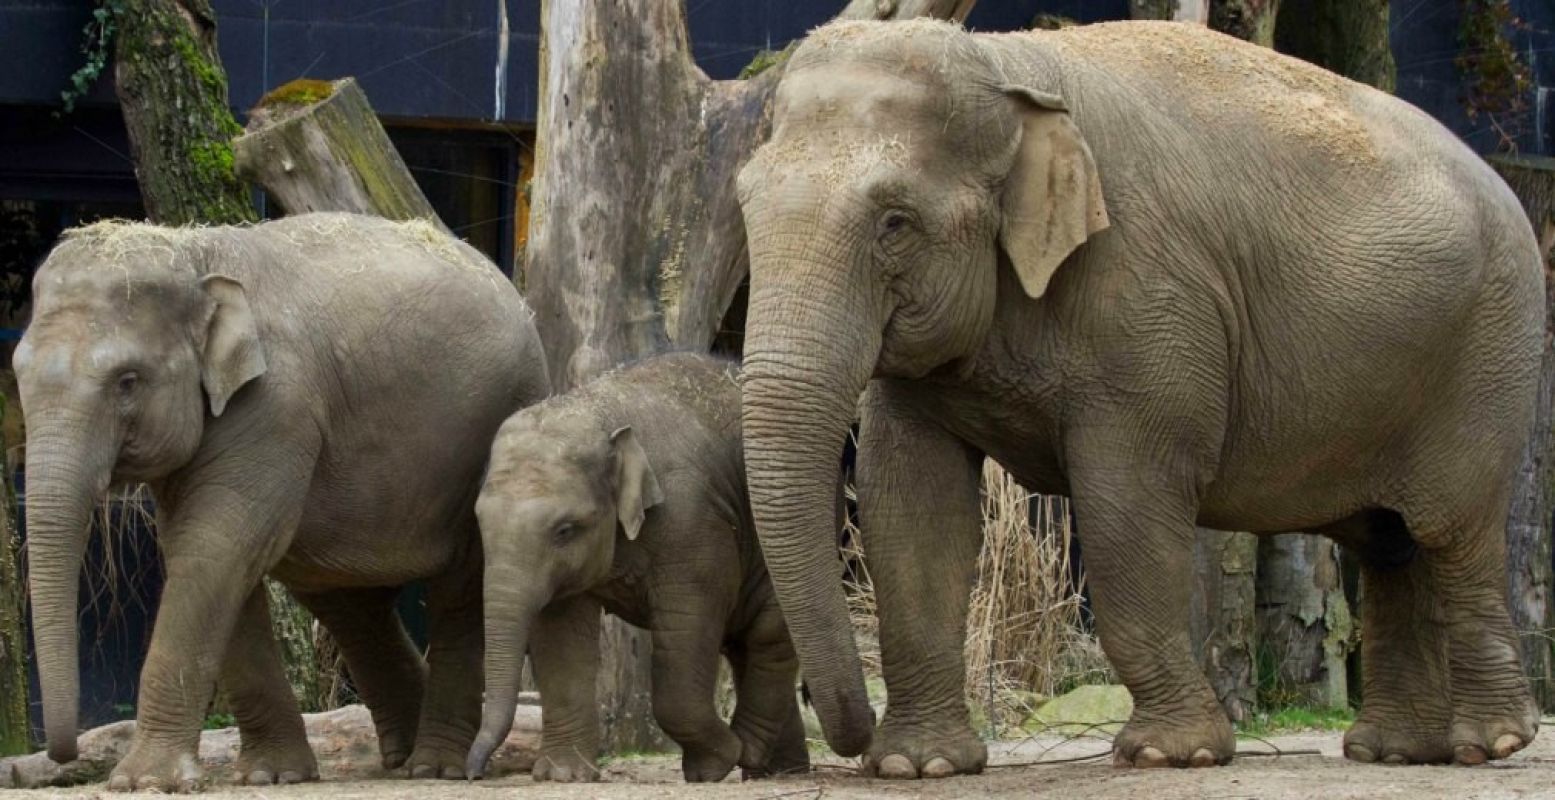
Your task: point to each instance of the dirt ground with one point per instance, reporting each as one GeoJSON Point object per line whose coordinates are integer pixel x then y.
{"type": "Point", "coordinates": [1530, 773]}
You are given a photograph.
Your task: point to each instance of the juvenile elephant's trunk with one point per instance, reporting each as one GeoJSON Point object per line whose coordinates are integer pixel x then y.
{"type": "Point", "coordinates": [806, 363]}
{"type": "Point", "coordinates": [66, 476]}
{"type": "Point", "coordinates": [510, 612]}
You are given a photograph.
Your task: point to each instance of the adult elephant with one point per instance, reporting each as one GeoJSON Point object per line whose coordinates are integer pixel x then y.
{"type": "Point", "coordinates": [311, 398]}
{"type": "Point", "coordinates": [1184, 280]}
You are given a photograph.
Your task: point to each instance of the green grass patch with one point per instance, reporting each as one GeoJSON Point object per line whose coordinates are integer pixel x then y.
{"type": "Point", "coordinates": [1297, 718]}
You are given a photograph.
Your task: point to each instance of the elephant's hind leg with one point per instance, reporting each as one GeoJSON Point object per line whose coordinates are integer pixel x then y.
{"type": "Point", "coordinates": [274, 743]}
{"type": "Point", "coordinates": [385, 667]}
{"type": "Point", "coordinates": [451, 710]}
{"type": "Point", "coordinates": [766, 714]}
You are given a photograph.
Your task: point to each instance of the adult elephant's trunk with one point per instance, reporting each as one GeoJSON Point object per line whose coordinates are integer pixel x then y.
{"type": "Point", "coordinates": [66, 476]}
{"type": "Point", "coordinates": [510, 613]}
{"type": "Point", "coordinates": [807, 359]}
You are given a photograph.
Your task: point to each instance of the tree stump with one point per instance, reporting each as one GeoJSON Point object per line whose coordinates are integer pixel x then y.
{"type": "Point", "coordinates": [15, 735]}
{"type": "Point", "coordinates": [1305, 631]}
{"type": "Point", "coordinates": [317, 146]}
{"type": "Point", "coordinates": [1528, 528]}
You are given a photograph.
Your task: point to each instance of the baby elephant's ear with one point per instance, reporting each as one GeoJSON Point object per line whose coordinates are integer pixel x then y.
{"type": "Point", "coordinates": [637, 490]}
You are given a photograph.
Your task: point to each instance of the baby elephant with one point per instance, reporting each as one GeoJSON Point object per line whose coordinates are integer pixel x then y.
{"type": "Point", "coordinates": [629, 493]}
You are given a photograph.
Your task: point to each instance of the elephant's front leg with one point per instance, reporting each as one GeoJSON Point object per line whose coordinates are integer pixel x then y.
{"type": "Point", "coordinates": [274, 742]}
{"type": "Point", "coordinates": [685, 675]}
{"type": "Point", "coordinates": [217, 539]}
{"type": "Point", "coordinates": [1135, 510]}
{"type": "Point", "coordinates": [564, 650]}
{"type": "Point", "coordinates": [918, 502]}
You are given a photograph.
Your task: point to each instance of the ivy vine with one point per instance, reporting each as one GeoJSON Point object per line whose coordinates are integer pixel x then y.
{"type": "Point", "coordinates": [1499, 81]}
{"type": "Point", "coordinates": [96, 44]}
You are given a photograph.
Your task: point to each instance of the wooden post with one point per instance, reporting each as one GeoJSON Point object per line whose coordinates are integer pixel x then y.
{"type": "Point", "coordinates": [318, 146]}
{"type": "Point", "coordinates": [1528, 529]}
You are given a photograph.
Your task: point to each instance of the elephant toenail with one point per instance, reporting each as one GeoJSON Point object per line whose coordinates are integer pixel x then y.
{"type": "Point", "coordinates": [423, 771]}
{"type": "Point", "coordinates": [1507, 744]}
{"type": "Point", "coordinates": [120, 783]}
{"type": "Point", "coordinates": [561, 774]}
{"type": "Point", "coordinates": [896, 767]}
{"type": "Point", "coordinates": [1149, 757]}
{"type": "Point", "coordinates": [289, 777]}
{"type": "Point", "coordinates": [259, 777]}
{"type": "Point", "coordinates": [1359, 752]}
{"type": "Point", "coordinates": [1395, 759]}
{"type": "Point", "coordinates": [1202, 757]}
{"type": "Point", "coordinates": [453, 774]}
{"type": "Point", "coordinates": [938, 767]}
{"type": "Point", "coordinates": [1469, 754]}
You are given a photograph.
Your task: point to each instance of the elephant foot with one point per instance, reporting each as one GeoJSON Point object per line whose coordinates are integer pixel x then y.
{"type": "Point", "coordinates": [905, 752]}
{"type": "Point", "coordinates": [564, 765]}
{"type": "Point", "coordinates": [1475, 741]}
{"type": "Point", "coordinates": [158, 768]}
{"type": "Point", "coordinates": [1204, 742]}
{"type": "Point", "coordinates": [783, 759]}
{"type": "Point", "coordinates": [396, 744]}
{"type": "Point", "coordinates": [1393, 742]}
{"type": "Point", "coordinates": [710, 764]}
{"type": "Point", "coordinates": [292, 762]}
{"type": "Point", "coordinates": [438, 761]}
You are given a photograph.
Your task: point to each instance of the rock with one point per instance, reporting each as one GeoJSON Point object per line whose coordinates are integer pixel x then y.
{"type": "Point", "coordinates": [343, 740]}
{"type": "Point", "coordinates": [1086, 709]}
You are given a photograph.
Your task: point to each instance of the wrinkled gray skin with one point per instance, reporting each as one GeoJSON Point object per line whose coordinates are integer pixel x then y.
{"type": "Point", "coordinates": [1184, 280]}
{"type": "Point", "coordinates": [630, 493]}
{"type": "Point", "coordinates": [310, 398]}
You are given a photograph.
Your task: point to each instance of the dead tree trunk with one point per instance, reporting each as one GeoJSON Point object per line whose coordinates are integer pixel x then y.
{"type": "Point", "coordinates": [173, 94]}
{"type": "Point", "coordinates": [1529, 526]}
{"type": "Point", "coordinates": [15, 735]}
{"type": "Point", "coordinates": [1222, 626]}
{"type": "Point", "coordinates": [636, 240]}
{"type": "Point", "coordinates": [318, 146]}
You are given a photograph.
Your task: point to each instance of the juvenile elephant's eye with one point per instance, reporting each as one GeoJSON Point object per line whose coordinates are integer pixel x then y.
{"type": "Point", "coordinates": [563, 532]}
{"type": "Point", "coordinates": [127, 383]}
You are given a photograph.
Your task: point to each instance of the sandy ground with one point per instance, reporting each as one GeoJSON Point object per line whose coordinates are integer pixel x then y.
{"type": "Point", "coordinates": [1530, 773]}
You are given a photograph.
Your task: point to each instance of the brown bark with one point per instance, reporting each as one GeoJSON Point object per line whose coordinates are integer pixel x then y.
{"type": "Point", "coordinates": [1349, 37]}
{"type": "Point", "coordinates": [1305, 631]}
{"type": "Point", "coordinates": [318, 146]}
{"type": "Point", "coordinates": [1222, 625]}
{"type": "Point", "coordinates": [173, 93]}
{"type": "Point", "coordinates": [1529, 525]}
{"type": "Point", "coordinates": [1249, 20]}
{"type": "Point", "coordinates": [636, 241]}
{"type": "Point", "coordinates": [15, 737]}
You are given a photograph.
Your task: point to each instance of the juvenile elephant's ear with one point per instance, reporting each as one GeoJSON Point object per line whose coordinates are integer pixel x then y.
{"type": "Point", "coordinates": [637, 490]}
{"type": "Point", "coordinates": [233, 355]}
{"type": "Point", "coordinates": [1052, 196]}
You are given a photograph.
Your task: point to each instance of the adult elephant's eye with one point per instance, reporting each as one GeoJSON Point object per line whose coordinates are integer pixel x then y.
{"type": "Point", "coordinates": [128, 382]}
{"type": "Point", "coordinates": [563, 532]}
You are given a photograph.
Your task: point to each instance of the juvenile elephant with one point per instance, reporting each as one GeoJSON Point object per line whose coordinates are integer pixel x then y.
{"type": "Point", "coordinates": [311, 399]}
{"type": "Point", "coordinates": [630, 493]}
{"type": "Point", "coordinates": [1184, 280]}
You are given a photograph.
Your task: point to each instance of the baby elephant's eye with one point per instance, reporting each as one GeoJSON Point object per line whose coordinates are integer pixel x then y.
{"type": "Point", "coordinates": [127, 382]}
{"type": "Point", "coordinates": [563, 532]}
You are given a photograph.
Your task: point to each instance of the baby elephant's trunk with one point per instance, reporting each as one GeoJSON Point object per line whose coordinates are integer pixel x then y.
{"type": "Point", "coordinates": [508, 617]}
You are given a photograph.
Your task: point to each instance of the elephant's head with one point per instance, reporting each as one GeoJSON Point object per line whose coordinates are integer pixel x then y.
{"type": "Point", "coordinates": [904, 173]}
{"type": "Point", "coordinates": [132, 334]}
{"type": "Point", "coordinates": [558, 493]}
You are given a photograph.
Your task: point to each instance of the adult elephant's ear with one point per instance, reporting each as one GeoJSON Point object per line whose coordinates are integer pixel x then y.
{"type": "Point", "coordinates": [1052, 197]}
{"type": "Point", "coordinates": [637, 489]}
{"type": "Point", "coordinates": [233, 354]}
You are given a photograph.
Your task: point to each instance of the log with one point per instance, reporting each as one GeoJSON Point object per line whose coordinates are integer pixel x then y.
{"type": "Point", "coordinates": [317, 146]}
{"type": "Point", "coordinates": [1349, 37]}
{"type": "Point", "coordinates": [1222, 626]}
{"type": "Point", "coordinates": [1532, 512]}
